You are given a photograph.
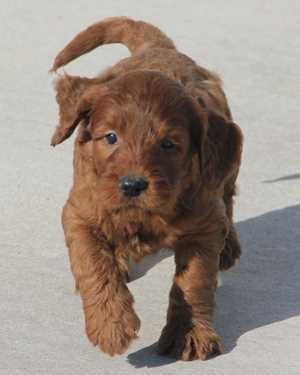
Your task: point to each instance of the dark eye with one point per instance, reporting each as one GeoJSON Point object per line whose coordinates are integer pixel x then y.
{"type": "Point", "coordinates": [111, 138]}
{"type": "Point", "coordinates": [167, 144]}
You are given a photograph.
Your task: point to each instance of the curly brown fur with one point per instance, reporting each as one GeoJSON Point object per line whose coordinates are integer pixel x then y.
{"type": "Point", "coordinates": [159, 116]}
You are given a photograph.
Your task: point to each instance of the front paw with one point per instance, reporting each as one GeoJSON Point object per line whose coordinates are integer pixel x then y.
{"type": "Point", "coordinates": [189, 343]}
{"type": "Point", "coordinates": [114, 331]}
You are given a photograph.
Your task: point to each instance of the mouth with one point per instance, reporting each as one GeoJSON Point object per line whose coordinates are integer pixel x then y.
{"type": "Point", "coordinates": [130, 205]}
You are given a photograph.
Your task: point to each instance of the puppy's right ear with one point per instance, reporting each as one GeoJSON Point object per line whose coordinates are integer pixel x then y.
{"type": "Point", "coordinates": [73, 108]}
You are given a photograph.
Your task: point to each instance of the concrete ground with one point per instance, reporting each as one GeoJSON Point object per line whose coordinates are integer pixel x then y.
{"type": "Point", "coordinates": [255, 46]}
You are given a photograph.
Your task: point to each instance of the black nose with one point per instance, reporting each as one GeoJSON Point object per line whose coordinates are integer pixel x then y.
{"type": "Point", "coordinates": [132, 186]}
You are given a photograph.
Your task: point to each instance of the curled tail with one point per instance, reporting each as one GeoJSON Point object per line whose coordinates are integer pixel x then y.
{"type": "Point", "coordinates": [136, 35]}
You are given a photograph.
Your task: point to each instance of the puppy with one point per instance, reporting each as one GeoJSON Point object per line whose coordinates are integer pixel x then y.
{"type": "Point", "coordinates": [156, 159]}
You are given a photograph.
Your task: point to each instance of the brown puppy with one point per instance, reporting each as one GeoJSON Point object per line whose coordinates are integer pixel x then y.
{"type": "Point", "coordinates": [155, 163]}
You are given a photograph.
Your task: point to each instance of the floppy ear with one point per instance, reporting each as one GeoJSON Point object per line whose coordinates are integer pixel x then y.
{"type": "Point", "coordinates": [222, 149]}
{"type": "Point", "coordinates": [73, 108]}
{"type": "Point", "coordinates": [220, 145]}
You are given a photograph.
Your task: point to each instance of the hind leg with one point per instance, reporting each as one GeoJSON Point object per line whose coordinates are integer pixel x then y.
{"type": "Point", "coordinates": [232, 248]}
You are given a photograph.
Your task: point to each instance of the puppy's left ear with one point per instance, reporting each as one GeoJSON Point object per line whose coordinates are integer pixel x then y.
{"type": "Point", "coordinates": [222, 150]}
{"type": "Point", "coordinates": [73, 108]}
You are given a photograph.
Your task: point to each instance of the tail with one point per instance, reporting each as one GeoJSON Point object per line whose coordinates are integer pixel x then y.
{"type": "Point", "coordinates": [136, 35]}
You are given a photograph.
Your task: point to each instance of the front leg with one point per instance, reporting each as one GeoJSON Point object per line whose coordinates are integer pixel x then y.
{"type": "Point", "coordinates": [189, 333]}
{"type": "Point", "coordinates": [111, 322]}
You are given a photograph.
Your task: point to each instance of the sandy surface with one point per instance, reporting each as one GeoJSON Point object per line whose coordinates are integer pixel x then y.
{"type": "Point", "coordinates": [255, 46]}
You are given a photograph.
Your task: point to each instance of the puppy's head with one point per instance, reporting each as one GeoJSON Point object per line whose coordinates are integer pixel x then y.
{"type": "Point", "coordinates": [145, 133]}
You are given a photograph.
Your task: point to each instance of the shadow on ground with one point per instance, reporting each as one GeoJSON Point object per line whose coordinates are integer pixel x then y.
{"type": "Point", "coordinates": [284, 178]}
{"type": "Point", "coordinates": [262, 290]}
{"type": "Point", "coordinates": [265, 287]}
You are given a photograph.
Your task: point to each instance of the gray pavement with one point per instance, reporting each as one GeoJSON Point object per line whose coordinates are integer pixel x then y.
{"type": "Point", "coordinates": [255, 46]}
